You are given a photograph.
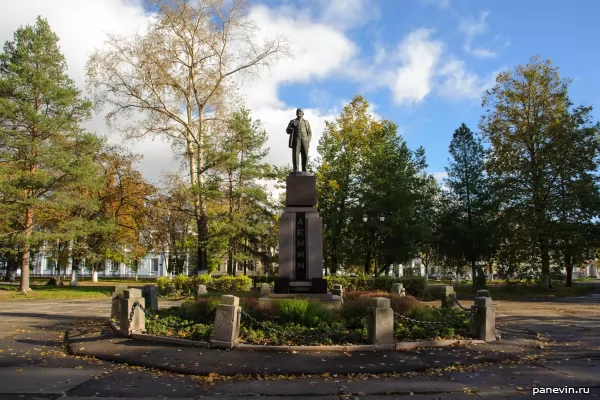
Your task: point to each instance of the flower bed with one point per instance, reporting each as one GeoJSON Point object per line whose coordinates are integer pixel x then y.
{"type": "Point", "coordinates": [305, 322]}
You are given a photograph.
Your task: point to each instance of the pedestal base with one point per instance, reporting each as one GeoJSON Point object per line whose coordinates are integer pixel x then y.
{"type": "Point", "coordinates": [314, 286]}
{"type": "Point", "coordinates": [330, 300]}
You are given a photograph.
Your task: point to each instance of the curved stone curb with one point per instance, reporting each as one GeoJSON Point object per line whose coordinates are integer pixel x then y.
{"type": "Point", "coordinates": [398, 346]}
{"type": "Point", "coordinates": [364, 347]}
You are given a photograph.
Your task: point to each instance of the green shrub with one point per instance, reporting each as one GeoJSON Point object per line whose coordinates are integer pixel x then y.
{"type": "Point", "coordinates": [203, 279]}
{"type": "Point", "coordinates": [291, 310]}
{"type": "Point", "coordinates": [183, 284]}
{"type": "Point", "coordinates": [272, 333]}
{"type": "Point", "coordinates": [229, 283]}
{"type": "Point", "coordinates": [162, 283]}
{"type": "Point", "coordinates": [414, 285]}
{"type": "Point", "coordinates": [360, 301]}
{"type": "Point", "coordinates": [201, 309]}
{"type": "Point", "coordinates": [300, 311]}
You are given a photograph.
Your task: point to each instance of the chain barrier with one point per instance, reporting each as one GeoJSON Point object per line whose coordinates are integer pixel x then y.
{"type": "Point", "coordinates": [418, 322]}
{"type": "Point", "coordinates": [148, 314]}
{"type": "Point", "coordinates": [469, 311]}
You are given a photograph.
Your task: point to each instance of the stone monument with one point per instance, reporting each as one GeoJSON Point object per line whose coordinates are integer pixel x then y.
{"type": "Point", "coordinates": [301, 227]}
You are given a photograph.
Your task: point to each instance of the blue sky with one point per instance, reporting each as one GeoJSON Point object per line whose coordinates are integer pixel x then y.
{"type": "Point", "coordinates": [487, 36]}
{"type": "Point", "coordinates": [422, 64]}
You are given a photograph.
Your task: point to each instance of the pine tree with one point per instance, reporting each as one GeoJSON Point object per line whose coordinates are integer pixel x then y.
{"type": "Point", "coordinates": [469, 200]}
{"type": "Point", "coordinates": [44, 154]}
{"type": "Point", "coordinates": [248, 214]}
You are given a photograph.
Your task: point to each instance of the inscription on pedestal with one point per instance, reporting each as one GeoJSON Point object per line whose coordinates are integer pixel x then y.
{"type": "Point", "coordinates": [300, 247]}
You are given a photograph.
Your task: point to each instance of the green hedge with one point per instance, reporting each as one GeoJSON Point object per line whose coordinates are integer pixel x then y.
{"type": "Point", "coordinates": [414, 285]}
{"type": "Point", "coordinates": [186, 284]}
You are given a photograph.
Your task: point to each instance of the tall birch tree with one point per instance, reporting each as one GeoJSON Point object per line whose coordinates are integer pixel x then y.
{"type": "Point", "coordinates": [173, 79]}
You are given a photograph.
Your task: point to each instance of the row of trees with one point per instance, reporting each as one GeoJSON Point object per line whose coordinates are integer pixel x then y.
{"type": "Point", "coordinates": [520, 197]}
{"type": "Point", "coordinates": [69, 190]}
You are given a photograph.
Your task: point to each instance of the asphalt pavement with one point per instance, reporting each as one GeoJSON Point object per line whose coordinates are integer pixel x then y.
{"type": "Point", "coordinates": [551, 346]}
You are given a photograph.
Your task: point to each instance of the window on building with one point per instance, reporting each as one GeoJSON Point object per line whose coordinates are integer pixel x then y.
{"type": "Point", "coordinates": [154, 265]}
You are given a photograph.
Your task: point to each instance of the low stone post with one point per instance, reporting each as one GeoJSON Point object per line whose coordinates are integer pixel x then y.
{"type": "Point", "coordinates": [483, 293]}
{"type": "Point", "coordinates": [200, 290]}
{"type": "Point", "coordinates": [398, 288]}
{"type": "Point", "coordinates": [227, 323]}
{"type": "Point", "coordinates": [483, 319]}
{"type": "Point", "coordinates": [150, 294]}
{"type": "Point", "coordinates": [338, 290]}
{"type": "Point", "coordinates": [448, 296]}
{"type": "Point", "coordinates": [265, 290]}
{"type": "Point", "coordinates": [138, 320]}
{"type": "Point", "coordinates": [116, 301]}
{"type": "Point", "coordinates": [380, 322]}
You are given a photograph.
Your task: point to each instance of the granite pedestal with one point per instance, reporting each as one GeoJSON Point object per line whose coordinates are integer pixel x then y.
{"type": "Point", "coordinates": [300, 239]}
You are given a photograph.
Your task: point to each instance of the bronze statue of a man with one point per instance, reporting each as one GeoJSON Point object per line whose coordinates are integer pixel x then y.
{"type": "Point", "coordinates": [300, 135]}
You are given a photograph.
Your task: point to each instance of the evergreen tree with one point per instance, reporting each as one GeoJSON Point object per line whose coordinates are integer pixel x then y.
{"type": "Point", "coordinates": [248, 215]}
{"type": "Point", "coordinates": [44, 154]}
{"type": "Point", "coordinates": [469, 204]}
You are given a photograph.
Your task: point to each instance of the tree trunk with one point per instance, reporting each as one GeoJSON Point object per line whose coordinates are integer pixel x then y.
{"type": "Point", "coordinates": [545, 255]}
{"type": "Point", "coordinates": [202, 225]}
{"type": "Point", "coordinates": [474, 285]}
{"type": "Point", "coordinates": [334, 258]}
{"type": "Point", "coordinates": [74, 276]}
{"type": "Point", "coordinates": [24, 286]}
{"type": "Point", "coordinates": [569, 269]}
{"type": "Point", "coordinates": [368, 263]}
{"type": "Point", "coordinates": [95, 273]}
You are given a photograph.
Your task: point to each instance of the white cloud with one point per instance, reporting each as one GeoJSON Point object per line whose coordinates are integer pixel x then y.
{"type": "Point", "coordinates": [419, 55]}
{"type": "Point", "coordinates": [344, 14]}
{"type": "Point", "coordinates": [419, 67]}
{"type": "Point", "coordinates": [276, 120]}
{"type": "Point", "coordinates": [318, 50]}
{"type": "Point", "coordinates": [440, 176]}
{"type": "Point", "coordinates": [473, 28]}
{"type": "Point", "coordinates": [81, 27]}
{"type": "Point", "coordinates": [456, 82]}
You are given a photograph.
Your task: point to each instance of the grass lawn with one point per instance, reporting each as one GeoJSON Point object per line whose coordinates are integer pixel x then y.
{"type": "Point", "coordinates": [42, 292]}
{"type": "Point", "coordinates": [527, 292]}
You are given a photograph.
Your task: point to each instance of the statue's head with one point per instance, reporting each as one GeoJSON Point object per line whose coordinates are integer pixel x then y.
{"type": "Point", "coordinates": [299, 113]}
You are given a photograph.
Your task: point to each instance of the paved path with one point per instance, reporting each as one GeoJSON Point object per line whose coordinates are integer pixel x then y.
{"type": "Point", "coordinates": [33, 364]}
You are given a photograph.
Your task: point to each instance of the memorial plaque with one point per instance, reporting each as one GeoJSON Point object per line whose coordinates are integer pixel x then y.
{"type": "Point", "coordinates": [300, 260]}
